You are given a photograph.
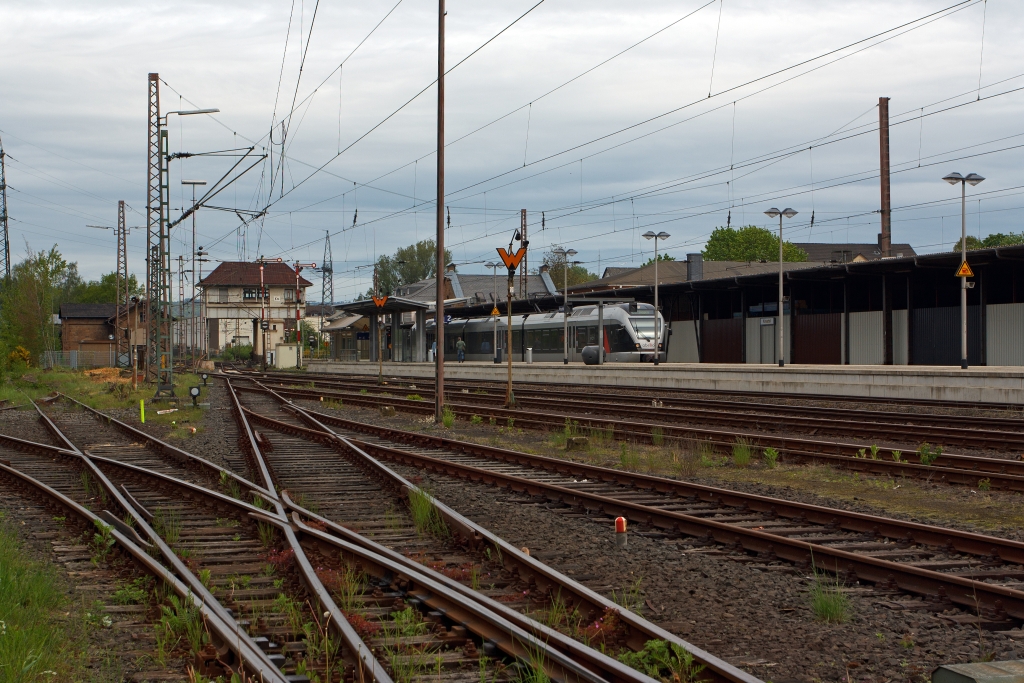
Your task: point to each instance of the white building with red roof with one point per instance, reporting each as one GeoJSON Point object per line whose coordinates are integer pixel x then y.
{"type": "Point", "coordinates": [234, 307]}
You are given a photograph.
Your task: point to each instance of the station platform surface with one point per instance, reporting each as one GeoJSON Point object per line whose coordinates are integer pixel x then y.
{"type": "Point", "coordinates": [1004, 385]}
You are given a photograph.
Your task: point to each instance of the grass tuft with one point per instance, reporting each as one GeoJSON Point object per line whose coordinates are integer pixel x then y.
{"type": "Point", "coordinates": [742, 451]}
{"type": "Point", "coordinates": [828, 601]}
{"type": "Point", "coordinates": [425, 514]}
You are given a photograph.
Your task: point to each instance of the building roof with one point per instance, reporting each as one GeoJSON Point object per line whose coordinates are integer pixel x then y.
{"type": "Point", "coordinates": [478, 288]}
{"type": "Point", "coordinates": [392, 304]}
{"type": "Point", "coordinates": [318, 310]}
{"type": "Point", "coordinates": [679, 271]}
{"type": "Point", "coordinates": [88, 311]}
{"type": "Point", "coordinates": [244, 273]}
{"type": "Point", "coordinates": [852, 252]}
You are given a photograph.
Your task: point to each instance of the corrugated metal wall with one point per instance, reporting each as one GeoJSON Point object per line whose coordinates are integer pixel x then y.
{"type": "Point", "coordinates": [682, 345]}
{"type": "Point", "coordinates": [761, 340]}
{"type": "Point", "coordinates": [753, 333]}
{"type": "Point", "coordinates": [1004, 330]}
{"type": "Point", "coordinates": [937, 335]}
{"type": "Point", "coordinates": [817, 340]}
{"type": "Point", "coordinates": [866, 338]}
{"type": "Point", "coordinates": [723, 340]}
{"type": "Point", "coordinates": [900, 337]}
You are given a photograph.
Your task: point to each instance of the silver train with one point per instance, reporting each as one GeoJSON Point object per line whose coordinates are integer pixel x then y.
{"type": "Point", "coordinates": [628, 334]}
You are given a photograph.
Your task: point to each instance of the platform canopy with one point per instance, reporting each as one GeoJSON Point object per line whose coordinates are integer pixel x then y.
{"type": "Point", "coordinates": [394, 304]}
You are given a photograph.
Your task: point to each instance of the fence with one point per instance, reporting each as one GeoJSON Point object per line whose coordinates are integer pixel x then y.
{"type": "Point", "coordinates": [83, 359]}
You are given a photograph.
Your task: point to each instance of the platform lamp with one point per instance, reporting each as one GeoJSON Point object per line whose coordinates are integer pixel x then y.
{"type": "Point", "coordinates": [494, 281]}
{"type": "Point", "coordinates": [775, 213]}
{"type": "Point", "coordinates": [656, 236]}
{"type": "Point", "coordinates": [972, 179]}
{"type": "Point", "coordinates": [566, 255]}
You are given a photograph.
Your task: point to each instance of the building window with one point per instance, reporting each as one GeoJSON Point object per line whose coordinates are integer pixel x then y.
{"type": "Point", "coordinates": [222, 295]}
{"type": "Point", "coordinates": [289, 295]}
{"type": "Point", "coordinates": [253, 293]}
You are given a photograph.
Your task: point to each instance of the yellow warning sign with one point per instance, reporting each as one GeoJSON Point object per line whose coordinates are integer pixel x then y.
{"type": "Point", "coordinates": [495, 311]}
{"type": "Point", "coordinates": [965, 270]}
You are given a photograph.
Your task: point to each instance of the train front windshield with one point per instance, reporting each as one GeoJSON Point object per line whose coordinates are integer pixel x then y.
{"type": "Point", "coordinates": [644, 327]}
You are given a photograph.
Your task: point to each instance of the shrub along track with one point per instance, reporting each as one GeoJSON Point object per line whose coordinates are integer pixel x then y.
{"type": "Point", "coordinates": [981, 575]}
{"type": "Point", "coordinates": [971, 470]}
{"type": "Point", "coordinates": [350, 488]}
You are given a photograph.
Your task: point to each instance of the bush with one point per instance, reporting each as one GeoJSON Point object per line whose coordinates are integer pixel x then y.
{"type": "Point", "coordinates": [19, 357]}
{"type": "Point", "coordinates": [928, 453]}
{"type": "Point", "coordinates": [239, 353]}
{"type": "Point", "coordinates": [771, 457]}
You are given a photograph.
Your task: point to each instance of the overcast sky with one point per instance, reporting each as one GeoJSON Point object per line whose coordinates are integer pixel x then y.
{"type": "Point", "coordinates": [588, 156]}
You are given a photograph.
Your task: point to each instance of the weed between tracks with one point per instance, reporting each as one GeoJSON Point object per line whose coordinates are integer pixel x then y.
{"type": "Point", "coordinates": [425, 514]}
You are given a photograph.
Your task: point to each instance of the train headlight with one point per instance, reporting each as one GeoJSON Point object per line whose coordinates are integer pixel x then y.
{"type": "Point", "coordinates": [637, 347]}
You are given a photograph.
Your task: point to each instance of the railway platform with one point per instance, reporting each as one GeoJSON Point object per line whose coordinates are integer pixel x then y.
{"type": "Point", "coordinates": [1004, 385]}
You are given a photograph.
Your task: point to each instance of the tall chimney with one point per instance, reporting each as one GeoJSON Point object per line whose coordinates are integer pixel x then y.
{"type": "Point", "coordinates": [884, 237]}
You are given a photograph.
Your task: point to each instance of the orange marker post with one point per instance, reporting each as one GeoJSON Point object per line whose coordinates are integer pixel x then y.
{"type": "Point", "coordinates": [620, 532]}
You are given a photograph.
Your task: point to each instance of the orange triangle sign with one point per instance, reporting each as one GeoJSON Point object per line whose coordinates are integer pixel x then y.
{"type": "Point", "coordinates": [495, 311]}
{"type": "Point", "coordinates": [965, 270]}
{"type": "Point", "coordinates": [379, 300]}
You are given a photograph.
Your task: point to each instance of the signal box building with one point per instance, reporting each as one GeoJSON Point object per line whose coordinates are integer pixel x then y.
{"type": "Point", "coordinates": [234, 305]}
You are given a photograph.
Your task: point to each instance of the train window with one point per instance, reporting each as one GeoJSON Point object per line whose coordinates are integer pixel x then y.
{"type": "Point", "coordinates": [581, 337]}
{"type": "Point", "coordinates": [618, 338]}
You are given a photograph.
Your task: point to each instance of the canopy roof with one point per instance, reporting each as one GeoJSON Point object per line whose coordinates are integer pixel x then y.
{"type": "Point", "coordinates": [394, 304]}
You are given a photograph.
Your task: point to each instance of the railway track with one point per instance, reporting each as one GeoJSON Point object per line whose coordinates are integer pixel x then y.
{"type": "Point", "coordinates": [354, 492]}
{"type": "Point", "coordinates": [416, 621]}
{"type": "Point", "coordinates": [981, 575]}
{"type": "Point", "coordinates": [1002, 434]}
{"type": "Point", "coordinates": [942, 467]}
{"type": "Point", "coordinates": [690, 394]}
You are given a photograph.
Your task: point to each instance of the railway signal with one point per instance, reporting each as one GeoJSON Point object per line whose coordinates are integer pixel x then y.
{"type": "Point", "coordinates": [511, 262]}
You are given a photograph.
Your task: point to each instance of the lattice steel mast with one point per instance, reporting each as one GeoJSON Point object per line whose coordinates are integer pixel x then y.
{"type": "Point", "coordinates": [121, 299]}
{"type": "Point", "coordinates": [160, 365]}
{"type": "Point", "coordinates": [5, 246]}
{"type": "Point", "coordinates": [327, 284]}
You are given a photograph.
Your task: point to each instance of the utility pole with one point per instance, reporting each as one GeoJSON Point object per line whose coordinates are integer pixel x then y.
{"type": "Point", "coordinates": [885, 237]}
{"type": "Point", "coordinates": [182, 325]}
{"type": "Point", "coordinates": [158, 241]}
{"type": "Point", "coordinates": [5, 246]}
{"type": "Point", "coordinates": [121, 298]}
{"type": "Point", "coordinates": [327, 284]}
{"type": "Point", "coordinates": [439, 307]}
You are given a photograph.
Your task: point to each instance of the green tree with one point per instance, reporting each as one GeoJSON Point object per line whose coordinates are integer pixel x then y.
{"type": "Point", "coordinates": [37, 287]}
{"type": "Point", "coordinates": [104, 290]}
{"type": "Point", "coordinates": [996, 239]}
{"type": "Point", "coordinates": [749, 243]}
{"type": "Point", "coordinates": [409, 264]}
{"type": "Point", "coordinates": [556, 264]}
{"type": "Point", "coordinates": [661, 258]}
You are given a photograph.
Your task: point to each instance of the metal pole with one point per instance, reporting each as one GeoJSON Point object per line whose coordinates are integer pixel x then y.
{"type": "Point", "coordinates": [782, 350]}
{"type": "Point", "coordinates": [963, 280]}
{"type": "Point", "coordinates": [263, 316]}
{"type": "Point", "coordinates": [510, 400]}
{"type": "Point", "coordinates": [439, 307]}
{"type": "Point", "coordinates": [192, 317]}
{"type": "Point", "coordinates": [565, 313]}
{"type": "Point", "coordinates": [657, 352]}
{"type": "Point", "coordinates": [885, 238]}
{"type": "Point", "coordinates": [298, 326]}
{"type": "Point", "coordinates": [494, 282]}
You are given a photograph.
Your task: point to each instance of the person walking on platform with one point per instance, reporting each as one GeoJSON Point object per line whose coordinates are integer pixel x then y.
{"type": "Point", "coordinates": [460, 347]}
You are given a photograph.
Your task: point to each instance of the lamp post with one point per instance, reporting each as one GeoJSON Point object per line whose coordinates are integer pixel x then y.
{"type": "Point", "coordinates": [773, 213]}
{"type": "Point", "coordinates": [193, 328]}
{"type": "Point", "coordinates": [204, 334]}
{"type": "Point", "coordinates": [659, 236]}
{"type": "Point", "coordinates": [494, 279]}
{"type": "Point", "coordinates": [566, 255]}
{"type": "Point", "coordinates": [971, 179]}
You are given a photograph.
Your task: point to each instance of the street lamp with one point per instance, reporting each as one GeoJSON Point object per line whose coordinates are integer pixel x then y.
{"type": "Point", "coordinates": [192, 318]}
{"type": "Point", "coordinates": [659, 236]}
{"type": "Point", "coordinates": [972, 179]}
{"type": "Point", "coordinates": [494, 281]}
{"type": "Point", "coordinates": [775, 213]}
{"type": "Point", "coordinates": [566, 255]}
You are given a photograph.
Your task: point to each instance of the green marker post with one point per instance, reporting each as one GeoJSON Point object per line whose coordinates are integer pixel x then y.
{"type": "Point", "coordinates": [142, 410]}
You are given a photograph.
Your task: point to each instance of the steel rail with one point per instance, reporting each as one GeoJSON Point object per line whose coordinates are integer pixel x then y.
{"type": "Point", "coordinates": [700, 406]}
{"type": "Point", "coordinates": [369, 667]}
{"type": "Point", "coordinates": [515, 641]}
{"type": "Point", "coordinates": [961, 591]}
{"type": "Point", "coordinates": [640, 630]}
{"type": "Point", "coordinates": [176, 455]}
{"type": "Point", "coordinates": [220, 624]}
{"type": "Point", "coordinates": [824, 398]}
{"type": "Point", "coordinates": [947, 468]}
